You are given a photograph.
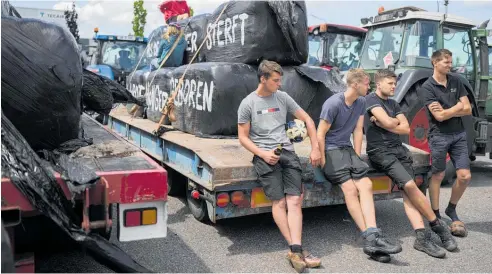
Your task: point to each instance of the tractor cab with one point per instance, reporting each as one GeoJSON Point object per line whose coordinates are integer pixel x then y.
{"type": "Point", "coordinates": [332, 45]}
{"type": "Point", "coordinates": [115, 57]}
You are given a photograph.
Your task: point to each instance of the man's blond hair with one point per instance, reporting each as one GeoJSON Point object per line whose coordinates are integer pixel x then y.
{"type": "Point", "coordinates": [356, 76]}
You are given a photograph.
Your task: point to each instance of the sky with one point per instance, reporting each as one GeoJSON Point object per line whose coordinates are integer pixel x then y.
{"type": "Point", "coordinates": [115, 16]}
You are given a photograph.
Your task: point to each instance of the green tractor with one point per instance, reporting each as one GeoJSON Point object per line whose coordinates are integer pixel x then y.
{"type": "Point", "coordinates": [403, 40]}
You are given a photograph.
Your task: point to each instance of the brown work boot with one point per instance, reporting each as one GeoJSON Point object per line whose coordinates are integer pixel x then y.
{"type": "Point", "coordinates": [297, 261]}
{"type": "Point", "coordinates": [311, 260]}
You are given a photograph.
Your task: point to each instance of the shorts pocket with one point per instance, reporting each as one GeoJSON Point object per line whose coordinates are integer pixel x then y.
{"type": "Point", "coordinates": [261, 167]}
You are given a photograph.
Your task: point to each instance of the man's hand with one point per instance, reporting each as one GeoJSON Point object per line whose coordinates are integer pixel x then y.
{"type": "Point", "coordinates": [435, 106]}
{"type": "Point", "coordinates": [269, 157]}
{"type": "Point", "coordinates": [315, 157]}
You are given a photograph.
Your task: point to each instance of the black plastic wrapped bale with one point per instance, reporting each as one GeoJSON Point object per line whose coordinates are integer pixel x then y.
{"type": "Point", "coordinates": [208, 101]}
{"type": "Point", "coordinates": [155, 38]}
{"type": "Point", "coordinates": [195, 30]}
{"type": "Point", "coordinates": [248, 32]}
{"type": "Point", "coordinates": [41, 81]}
{"type": "Point", "coordinates": [136, 84]}
{"type": "Point", "coordinates": [158, 93]}
{"type": "Point", "coordinates": [9, 10]}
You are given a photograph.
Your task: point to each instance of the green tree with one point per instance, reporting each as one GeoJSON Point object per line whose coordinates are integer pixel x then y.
{"type": "Point", "coordinates": [71, 17]}
{"type": "Point", "coordinates": [139, 18]}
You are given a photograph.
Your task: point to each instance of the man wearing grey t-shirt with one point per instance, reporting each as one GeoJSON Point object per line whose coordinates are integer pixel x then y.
{"type": "Point", "coordinates": [262, 116]}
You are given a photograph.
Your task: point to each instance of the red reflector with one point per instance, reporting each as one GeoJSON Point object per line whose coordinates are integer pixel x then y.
{"type": "Point", "coordinates": [195, 195]}
{"type": "Point", "coordinates": [237, 197]}
{"type": "Point", "coordinates": [419, 180]}
{"type": "Point", "coordinates": [132, 218]}
{"type": "Point", "coordinates": [222, 199]}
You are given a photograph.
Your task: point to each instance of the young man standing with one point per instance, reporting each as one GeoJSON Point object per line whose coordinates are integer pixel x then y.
{"type": "Point", "coordinates": [446, 99]}
{"type": "Point", "coordinates": [384, 122]}
{"type": "Point", "coordinates": [341, 115]}
{"type": "Point", "coordinates": [261, 128]}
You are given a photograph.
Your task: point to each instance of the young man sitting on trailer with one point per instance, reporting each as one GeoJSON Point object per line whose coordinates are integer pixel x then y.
{"type": "Point", "coordinates": [262, 116]}
{"type": "Point", "coordinates": [446, 99]}
{"type": "Point", "coordinates": [384, 123]}
{"type": "Point", "coordinates": [341, 115]}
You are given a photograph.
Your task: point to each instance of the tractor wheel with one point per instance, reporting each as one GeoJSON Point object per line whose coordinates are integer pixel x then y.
{"type": "Point", "coordinates": [416, 113]}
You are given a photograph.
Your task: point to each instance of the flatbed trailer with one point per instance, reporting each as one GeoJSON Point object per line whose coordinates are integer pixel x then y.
{"type": "Point", "coordinates": [218, 175]}
{"type": "Point", "coordinates": [130, 179]}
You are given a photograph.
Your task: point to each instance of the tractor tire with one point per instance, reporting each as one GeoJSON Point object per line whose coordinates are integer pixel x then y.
{"type": "Point", "coordinates": [8, 263]}
{"type": "Point", "coordinates": [198, 207]}
{"type": "Point", "coordinates": [413, 108]}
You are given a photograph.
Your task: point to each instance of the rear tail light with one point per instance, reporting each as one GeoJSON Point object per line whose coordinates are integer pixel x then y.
{"type": "Point", "coordinates": [419, 180]}
{"type": "Point", "coordinates": [237, 197]}
{"type": "Point", "coordinates": [140, 216]}
{"type": "Point", "coordinates": [222, 199]}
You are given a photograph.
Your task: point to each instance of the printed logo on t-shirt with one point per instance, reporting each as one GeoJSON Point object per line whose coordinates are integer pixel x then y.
{"type": "Point", "coordinates": [268, 110]}
{"type": "Point", "coordinates": [453, 90]}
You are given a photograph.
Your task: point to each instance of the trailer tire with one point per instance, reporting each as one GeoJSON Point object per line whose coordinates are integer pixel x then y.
{"type": "Point", "coordinates": [176, 183]}
{"type": "Point", "coordinates": [8, 264]}
{"type": "Point", "coordinates": [198, 207]}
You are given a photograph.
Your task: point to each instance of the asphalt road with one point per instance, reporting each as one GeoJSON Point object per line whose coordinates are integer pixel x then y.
{"type": "Point", "coordinates": [253, 244]}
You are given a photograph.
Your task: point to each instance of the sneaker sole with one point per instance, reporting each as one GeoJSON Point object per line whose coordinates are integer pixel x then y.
{"type": "Point", "coordinates": [380, 257]}
{"type": "Point", "coordinates": [430, 254]}
{"type": "Point", "coordinates": [374, 250]}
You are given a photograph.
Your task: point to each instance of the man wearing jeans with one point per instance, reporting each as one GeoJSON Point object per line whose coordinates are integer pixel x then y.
{"type": "Point", "coordinates": [446, 99]}
{"type": "Point", "coordinates": [261, 128]}
{"type": "Point", "coordinates": [341, 115]}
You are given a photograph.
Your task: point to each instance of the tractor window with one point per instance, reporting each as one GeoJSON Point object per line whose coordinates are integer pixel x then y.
{"type": "Point", "coordinates": [420, 43]}
{"type": "Point", "coordinates": [457, 40]}
{"type": "Point", "coordinates": [315, 50]}
{"type": "Point", "coordinates": [382, 46]}
{"type": "Point", "coordinates": [343, 50]}
{"type": "Point", "coordinates": [122, 55]}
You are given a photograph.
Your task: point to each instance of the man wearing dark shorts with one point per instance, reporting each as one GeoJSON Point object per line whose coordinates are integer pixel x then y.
{"type": "Point", "coordinates": [341, 115]}
{"type": "Point", "coordinates": [446, 100]}
{"type": "Point", "coordinates": [262, 116]}
{"type": "Point", "coordinates": [384, 123]}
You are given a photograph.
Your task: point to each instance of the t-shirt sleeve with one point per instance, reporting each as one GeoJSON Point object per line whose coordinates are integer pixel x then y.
{"type": "Point", "coordinates": [397, 108]}
{"type": "Point", "coordinates": [329, 111]}
{"type": "Point", "coordinates": [461, 89]}
{"type": "Point", "coordinates": [371, 102]}
{"type": "Point", "coordinates": [427, 95]}
{"type": "Point", "coordinates": [292, 106]}
{"type": "Point", "coordinates": [244, 111]}
{"type": "Point", "coordinates": [362, 107]}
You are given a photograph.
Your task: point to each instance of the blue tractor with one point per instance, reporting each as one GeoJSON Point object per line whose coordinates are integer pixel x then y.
{"type": "Point", "coordinates": [115, 57]}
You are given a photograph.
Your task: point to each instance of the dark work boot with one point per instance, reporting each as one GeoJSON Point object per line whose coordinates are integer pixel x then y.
{"type": "Point", "coordinates": [444, 233]}
{"type": "Point", "coordinates": [380, 257]}
{"type": "Point", "coordinates": [375, 242]}
{"type": "Point", "coordinates": [424, 243]}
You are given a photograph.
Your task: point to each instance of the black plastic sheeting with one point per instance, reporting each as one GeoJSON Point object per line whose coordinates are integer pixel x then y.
{"type": "Point", "coordinates": [210, 95]}
{"type": "Point", "coordinates": [157, 94]}
{"type": "Point", "coordinates": [34, 178]}
{"type": "Point", "coordinates": [99, 93]}
{"type": "Point", "coordinates": [155, 38]}
{"type": "Point", "coordinates": [136, 84]}
{"type": "Point", "coordinates": [41, 81]}
{"type": "Point", "coordinates": [195, 30]}
{"type": "Point", "coordinates": [249, 32]}
{"type": "Point", "coordinates": [9, 10]}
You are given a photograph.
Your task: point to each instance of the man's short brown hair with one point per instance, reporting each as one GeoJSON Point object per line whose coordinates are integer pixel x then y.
{"type": "Point", "coordinates": [356, 76]}
{"type": "Point", "coordinates": [266, 68]}
{"type": "Point", "coordinates": [382, 74]}
{"type": "Point", "coordinates": [440, 54]}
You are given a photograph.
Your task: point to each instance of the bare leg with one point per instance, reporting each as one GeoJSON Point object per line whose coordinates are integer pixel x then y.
{"type": "Point", "coordinates": [435, 188]}
{"type": "Point", "coordinates": [419, 201]}
{"type": "Point", "coordinates": [364, 186]}
{"type": "Point", "coordinates": [279, 212]}
{"type": "Point", "coordinates": [353, 205]}
{"type": "Point", "coordinates": [462, 181]}
{"type": "Point", "coordinates": [294, 217]}
{"type": "Point", "coordinates": [412, 213]}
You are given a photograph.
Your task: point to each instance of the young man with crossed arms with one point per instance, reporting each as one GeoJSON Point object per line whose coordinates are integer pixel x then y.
{"type": "Point", "coordinates": [343, 114]}
{"type": "Point", "coordinates": [384, 123]}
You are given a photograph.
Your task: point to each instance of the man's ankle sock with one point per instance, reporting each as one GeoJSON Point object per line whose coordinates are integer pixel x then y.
{"type": "Point", "coordinates": [434, 223]}
{"type": "Point", "coordinates": [436, 211]}
{"type": "Point", "coordinates": [296, 248]}
{"type": "Point", "coordinates": [451, 212]}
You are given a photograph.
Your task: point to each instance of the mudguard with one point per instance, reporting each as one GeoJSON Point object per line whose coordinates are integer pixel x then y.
{"type": "Point", "coordinates": [103, 70]}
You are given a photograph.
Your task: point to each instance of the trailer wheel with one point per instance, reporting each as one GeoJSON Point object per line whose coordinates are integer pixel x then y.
{"type": "Point", "coordinates": [8, 264]}
{"type": "Point", "coordinates": [416, 114]}
{"type": "Point", "coordinates": [198, 207]}
{"type": "Point", "coordinates": [176, 183]}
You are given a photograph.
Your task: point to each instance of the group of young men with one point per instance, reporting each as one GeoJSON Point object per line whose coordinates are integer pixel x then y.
{"type": "Point", "coordinates": [261, 127]}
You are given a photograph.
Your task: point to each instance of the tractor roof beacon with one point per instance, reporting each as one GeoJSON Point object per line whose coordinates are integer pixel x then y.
{"type": "Point", "coordinates": [404, 39]}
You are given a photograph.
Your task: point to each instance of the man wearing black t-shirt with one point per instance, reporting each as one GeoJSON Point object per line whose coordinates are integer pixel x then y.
{"type": "Point", "coordinates": [384, 122]}
{"type": "Point", "coordinates": [446, 98]}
